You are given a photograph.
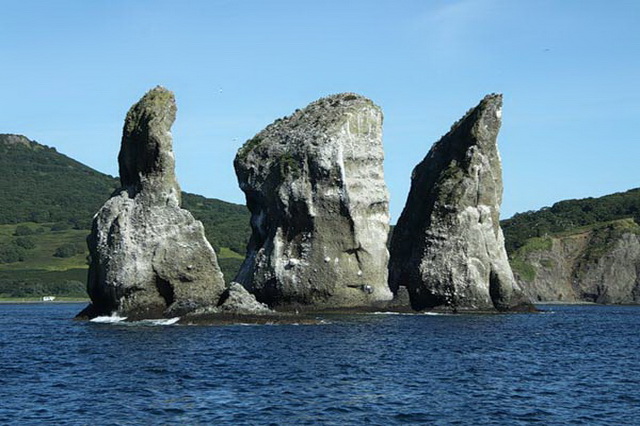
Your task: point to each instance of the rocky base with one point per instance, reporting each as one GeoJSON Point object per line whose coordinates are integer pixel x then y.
{"type": "Point", "coordinates": [300, 315]}
{"type": "Point", "coordinates": [235, 301]}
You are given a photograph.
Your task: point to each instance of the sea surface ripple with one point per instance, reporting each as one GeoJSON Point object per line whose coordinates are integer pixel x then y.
{"type": "Point", "coordinates": [569, 365]}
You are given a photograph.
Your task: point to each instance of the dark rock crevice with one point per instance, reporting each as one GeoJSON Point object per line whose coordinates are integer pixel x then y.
{"type": "Point", "coordinates": [165, 290]}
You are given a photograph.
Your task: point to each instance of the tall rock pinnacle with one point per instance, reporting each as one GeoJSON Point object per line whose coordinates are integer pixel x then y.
{"type": "Point", "coordinates": [149, 257]}
{"type": "Point", "coordinates": [319, 207]}
{"type": "Point", "coordinates": [447, 247]}
{"type": "Point", "coordinates": [146, 156]}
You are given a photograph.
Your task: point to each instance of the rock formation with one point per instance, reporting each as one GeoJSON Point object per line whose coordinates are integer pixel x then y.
{"type": "Point", "coordinates": [149, 257]}
{"type": "Point", "coordinates": [447, 247]}
{"type": "Point", "coordinates": [236, 300]}
{"type": "Point", "coordinates": [319, 207]}
{"type": "Point", "coordinates": [599, 264]}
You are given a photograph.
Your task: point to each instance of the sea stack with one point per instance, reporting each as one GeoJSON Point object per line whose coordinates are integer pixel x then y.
{"type": "Point", "coordinates": [149, 257]}
{"type": "Point", "coordinates": [315, 187]}
{"type": "Point", "coordinates": [447, 248]}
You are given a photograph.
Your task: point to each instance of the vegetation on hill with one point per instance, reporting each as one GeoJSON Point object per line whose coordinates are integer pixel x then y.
{"type": "Point", "coordinates": [41, 185]}
{"type": "Point", "coordinates": [40, 272]}
{"type": "Point", "coordinates": [226, 224]}
{"type": "Point", "coordinates": [47, 203]}
{"type": "Point", "coordinates": [569, 215]}
{"type": "Point", "coordinates": [605, 235]}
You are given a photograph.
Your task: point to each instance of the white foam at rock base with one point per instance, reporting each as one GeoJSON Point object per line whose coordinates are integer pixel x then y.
{"type": "Point", "coordinates": [168, 321]}
{"type": "Point", "coordinates": [111, 319]}
{"type": "Point", "coordinates": [410, 313]}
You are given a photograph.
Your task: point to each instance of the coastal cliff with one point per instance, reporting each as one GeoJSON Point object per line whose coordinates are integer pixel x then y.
{"type": "Point", "coordinates": [598, 263]}
{"type": "Point", "coordinates": [315, 187]}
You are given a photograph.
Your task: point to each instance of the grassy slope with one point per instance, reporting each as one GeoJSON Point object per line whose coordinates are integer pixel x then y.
{"type": "Point", "coordinates": [41, 257]}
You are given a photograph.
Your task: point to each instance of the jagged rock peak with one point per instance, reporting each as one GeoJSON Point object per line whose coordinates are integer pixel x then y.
{"type": "Point", "coordinates": [315, 187]}
{"type": "Point", "coordinates": [146, 157]}
{"type": "Point", "coordinates": [149, 257]}
{"type": "Point", "coordinates": [447, 247]}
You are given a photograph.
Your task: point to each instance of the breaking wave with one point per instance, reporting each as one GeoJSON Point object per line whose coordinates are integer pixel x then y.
{"type": "Point", "coordinates": [168, 321]}
{"type": "Point", "coordinates": [115, 319]}
{"type": "Point", "coordinates": [409, 313]}
{"type": "Point", "coordinates": [111, 319]}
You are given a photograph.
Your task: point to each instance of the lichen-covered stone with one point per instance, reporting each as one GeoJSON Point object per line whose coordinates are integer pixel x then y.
{"type": "Point", "coordinates": [149, 257]}
{"type": "Point", "coordinates": [447, 247]}
{"type": "Point", "coordinates": [315, 187]}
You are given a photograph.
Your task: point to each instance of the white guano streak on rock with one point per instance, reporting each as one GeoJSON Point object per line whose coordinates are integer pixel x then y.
{"type": "Point", "coordinates": [358, 198]}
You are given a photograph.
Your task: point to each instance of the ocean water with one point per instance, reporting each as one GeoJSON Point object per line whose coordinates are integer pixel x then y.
{"type": "Point", "coordinates": [569, 365]}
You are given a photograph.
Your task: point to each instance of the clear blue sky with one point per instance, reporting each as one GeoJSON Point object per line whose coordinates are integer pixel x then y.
{"type": "Point", "coordinates": [569, 71]}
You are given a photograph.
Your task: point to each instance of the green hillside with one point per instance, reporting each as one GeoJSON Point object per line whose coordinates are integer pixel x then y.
{"type": "Point", "coordinates": [41, 185]}
{"type": "Point", "coordinates": [569, 215]}
{"type": "Point", "coordinates": [47, 203]}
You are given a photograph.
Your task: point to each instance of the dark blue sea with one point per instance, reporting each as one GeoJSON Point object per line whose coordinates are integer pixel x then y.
{"type": "Point", "coordinates": [569, 365]}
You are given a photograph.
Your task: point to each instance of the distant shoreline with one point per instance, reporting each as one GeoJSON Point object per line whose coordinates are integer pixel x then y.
{"type": "Point", "coordinates": [41, 302]}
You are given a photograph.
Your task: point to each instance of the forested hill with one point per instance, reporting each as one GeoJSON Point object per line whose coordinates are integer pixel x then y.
{"type": "Point", "coordinates": [38, 184]}
{"type": "Point", "coordinates": [41, 185]}
{"type": "Point", "coordinates": [568, 215]}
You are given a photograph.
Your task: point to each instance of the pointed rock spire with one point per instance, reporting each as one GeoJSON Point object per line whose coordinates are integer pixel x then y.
{"type": "Point", "coordinates": [447, 247]}
{"type": "Point", "coordinates": [146, 157]}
